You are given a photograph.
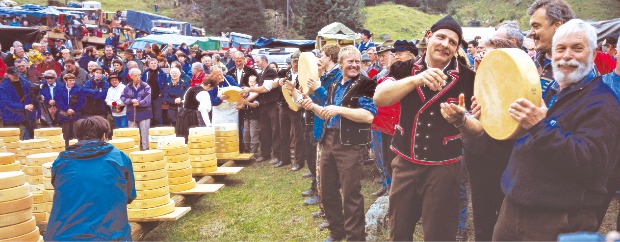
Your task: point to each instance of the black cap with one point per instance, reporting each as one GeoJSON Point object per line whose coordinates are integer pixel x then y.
{"type": "Point", "coordinates": [367, 33]}
{"type": "Point", "coordinates": [12, 70]}
{"type": "Point", "coordinates": [449, 23]}
{"type": "Point", "coordinates": [403, 45]}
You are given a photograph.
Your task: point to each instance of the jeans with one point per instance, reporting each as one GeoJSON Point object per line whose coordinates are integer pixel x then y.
{"type": "Point", "coordinates": [156, 105]}
{"type": "Point", "coordinates": [120, 122]}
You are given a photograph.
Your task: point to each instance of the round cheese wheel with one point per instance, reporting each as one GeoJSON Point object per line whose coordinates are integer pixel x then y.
{"type": "Point", "coordinates": [176, 150]}
{"type": "Point", "coordinates": [4, 132]}
{"type": "Point", "coordinates": [16, 205]}
{"type": "Point", "coordinates": [48, 195]}
{"type": "Point", "coordinates": [151, 184]}
{"type": "Point", "coordinates": [232, 133]}
{"type": "Point", "coordinates": [7, 158]}
{"type": "Point", "coordinates": [202, 131]}
{"type": "Point", "coordinates": [150, 202]}
{"type": "Point", "coordinates": [155, 139]}
{"type": "Point", "coordinates": [11, 145]}
{"type": "Point", "coordinates": [39, 208]}
{"type": "Point", "coordinates": [122, 143]}
{"type": "Point", "coordinates": [33, 170]}
{"type": "Point", "coordinates": [203, 170]}
{"type": "Point", "coordinates": [161, 131]}
{"type": "Point", "coordinates": [11, 179]}
{"type": "Point", "coordinates": [40, 159]}
{"type": "Point", "coordinates": [35, 180]}
{"type": "Point", "coordinates": [48, 131]}
{"type": "Point", "coordinates": [172, 142]}
{"type": "Point", "coordinates": [201, 145]}
{"type": "Point", "coordinates": [146, 156]}
{"type": "Point", "coordinates": [25, 153]}
{"type": "Point", "coordinates": [149, 175]}
{"type": "Point", "coordinates": [133, 149]}
{"type": "Point", "coordinates": [38, 198]}
{"type": "Point", "coordinates": [18, 229]}
{"type": "Point", "coordinates": [202, 157]}
{"type": "Point", "coordinates": [73, 141]}
{"type": "Point", "coordinates": [225, 127]}
{"type": "Point", "coordinates": [13, 193]}
{"type": "Point", "coordinates": [233, 93]}
{"type": "Point", "coordinates": [200, 139]}
{"type": "Point", "coordinates": [9, 140]}
{"type": "Point", "coordinates": [205, 163]}
{"type": "Point", "coordinates": [179, 173]}
{"type": "Point", "coordinates": [176, 158]}
{"type": "Point", "coordinates": [152, 193]}
{"type": "Point", "coordinates": [41, 217]}
{"type": "Point", "coordinates": [15, 166]}
{"type": "Point", "coordinates": [57, 144]}
{"type": "Point", "coordinates": [227, 149]}
{"type": "Point", "coordinates": [230, 155]}
{"type": "Point", "coordinates": [178, 165]}
{"type": "Point", "coordinates": [126, 132]}
{"type": "Point", "coordinates": [37, 189]}
{"type": "Point", "coordinates": [54, 138]}
{"type": "Point", "coordinates": [149, 166]}
{"type": "Point", "coordinates": [47, 183]}
{"type": "Point", "coordinates": [205, 151]}
{"type": "Point", "coordinates": [183, 186]}
{"type": "Point", "coordinates": [135, 213]}
{"type": "Point", "coordinates": [34, 235]}
{"type": "Point", "coordinates": [33, 144]}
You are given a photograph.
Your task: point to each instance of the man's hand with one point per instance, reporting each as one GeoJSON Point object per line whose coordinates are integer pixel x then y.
{"type": "Point", "coordinates": [329, 111]}
{"type": "Point", "coordinates": [244, 91]}
{"type": "Point", "coordinates": [454, 114]}
{"type": "Point", "coordinates": [224, 97]}
{"type": "Point", "coordinates": [52, 102]}
{"type": "Point", "coordinates": [70, 111]}
{"type": "Point", "coordinates": [434, 78]}
{"type": "Point", "coordinates": [313, 85]}
{"type": "Point", "coordinates": [29, 107]}
{"type": "Point", "coordinates": [306, 103]}
{"type": "Point", "coordinates": [135, 102]}
{"type": "Point", "coordinates": [239, 106]}
{"type": "Point", "coordinates": [177, 100]}
{"type": "Point", "coordinates": [476, 109]}
{"type": "Point", "coordinates": [289, 85]}
{"type": "Point", "coordinates": [526, 113]}
{"type": "Point", "coordinates": [281, 81]}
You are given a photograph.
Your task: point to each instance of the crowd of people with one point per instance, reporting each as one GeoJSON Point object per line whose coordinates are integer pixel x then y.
{"type": "Point", "coordinates": [411, 103]}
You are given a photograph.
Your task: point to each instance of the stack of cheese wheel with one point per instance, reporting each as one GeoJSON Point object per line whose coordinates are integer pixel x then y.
{"type": "Point", "coordinates": [34, 172]}
{"type": "Point", "coordinates": [53, 135]}
{"type": "Point", "coordinates": [16, 220]}
{"type": "Point", "coordinates": [48, 193]}
{"type": "Point", "coordinates": [9, 137]}
{"type": "Point", "coordinates": [226, 140]}
{"type": "Point", "coordinates": [73, 141]}
{"type": "Point", "coordinates": [126, 145]}
{"type": "Point", "coordinates": [176, 155]}
{"type": "Point", "coordinates": [156, 134]}
{"type": "Point", "coordinates": [153, 195]}
{"type": "Point", "coordinates": [34, 176]}
{"type": "Point", "coordinates": [2, 147]}
{"type": "Point", "coordinates": [32, 146]}
{"type": "Point", "coordinates": [133, 133]}
{"type": "Point", "coordinates": [9, 162]}
{"type": "Point", "coordinates": [201, 142]}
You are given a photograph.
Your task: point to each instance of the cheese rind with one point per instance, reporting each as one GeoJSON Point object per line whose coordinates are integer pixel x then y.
{"type": "Point", "coordinates": [18, 229]}
{"type": "Point", "coordinates": [150, 202]}
{"type": "Point", "coordinates": [183, 187]}
{"type": "Point", "coordinates": [15, 166]}
{"type": "Point", "coordinates": [13, 193]}
{"type": "Point", "coordinates": [152, 193]}
{"type": "Point", "coordinates": [149, 175]}
{"type": "Point", "coordinates": [51, 139]}
{"type": "Point", "coordinates": [172, 142]}
{"type": "Point", "coordinates": [33, 170]}
{"type": "Point", "coordinates": [202, 157]}
{"type": "Point", "coordinates": [232, 133]}
{"type": "Point", "coordinates": [33, 144]}
{"type": "Point", "coordinates": [15, 217]}
{"type": "Point", "coordinates": [122, 143]}
{"type": "Point", "coordinates": [47, 169]}
{"type": "Point", "coordinates": [35, 180]}
{"type": "Point", "coordinates": [199, 139]}
{"type": "Point", "coordinates": [161, 131]}
{"type": "Point", "coordinates": [47, 183]}
{"type": "Point", "coordinates": [227, 139]}
{"type": "Point", "coordinates": [149, 166]}
{"type": "Point", "coordinates": [205, 151]}
{"type": "Point", "coordinates": [227, 155]}
{"type": "Point", "coordinates": [180, 173]}
{"type": "Point", "coordinates": [225, 127]}
{"type": "Point", "coordinates": [48, 195]}
{"type": "Point", "coordinates": [176, 150]}
{"type": "Point", "coordinates": [146, 156]}
{"type": "Point", "coordinates": [201, 145]}
{"type": "Point", "coordinates": [40, 159]}
{"type": "Point", "coordinates": [33, 236]}
{"type": "Point", "coordinates": [206, 163]}
{"type": "Point", "coordinates": [4, 132]}
{"type": "Point", "coordinates": [176, 158]}
{"type": "Point", "coordinates": [203, 171]}
{"type": "Point", "coordinates": [178, 165]}
{"type": "Point", "coordinates": [126, 132]}
{"type": "Point", "coordinates": [48, 132]}
{"type": "Point", "coordinates": [228, 149]}
{"type": "Point", "coordinates": [151, 184]}
{"type": "Point", "coordinates": [202, 131]}
{"type": "Point", "coordinates": [15, 205]}
{"type": "Point", "coordinates": [151, 212]}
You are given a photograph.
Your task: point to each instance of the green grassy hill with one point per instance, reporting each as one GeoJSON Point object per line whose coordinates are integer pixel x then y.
{"type": "Point", "coordinates": [398, 21]}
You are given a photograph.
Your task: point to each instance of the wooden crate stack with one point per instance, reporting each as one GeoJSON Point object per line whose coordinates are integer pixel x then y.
{"type": "Point", "coordinates": [153, 195]}
{"type": "Point", "coordinates": [156, 134]}
{"type": "Point", "coordinates": [201, 142]}
{"type": "Point", "coordinates": [226, 140]}
{"type": "Point", "coordinates": [9, 137]}
{"type": "Point", "coordinates": [41, 183]}
{"type": "Point", "coordinates": [176, 155]}
{"type": "Point", "coordinates": [16, 203]}
{"type": "Point", "coordinates": [53, 135]}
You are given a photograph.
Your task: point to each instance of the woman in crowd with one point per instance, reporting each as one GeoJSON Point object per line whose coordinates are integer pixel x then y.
{"type": "Point", "coordinates": [113, 100]}
{"type": "Point", "coordinates": [137, 98]}
{"type": "Point", "coordinates": [196, 107]}
{"type": "Point", "coordinates": [173, 93]}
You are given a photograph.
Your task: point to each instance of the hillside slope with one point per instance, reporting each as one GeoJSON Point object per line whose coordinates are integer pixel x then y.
{"type": "Point", "coordinates": [397, 21]}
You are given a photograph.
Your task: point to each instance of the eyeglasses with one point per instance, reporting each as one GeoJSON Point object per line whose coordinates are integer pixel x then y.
{"type": "Point", "coordinates": [49, 77]}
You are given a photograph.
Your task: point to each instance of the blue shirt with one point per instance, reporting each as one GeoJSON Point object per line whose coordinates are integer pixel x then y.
{"type": "Point", "coordinates": [320, 97]}
{"type": "Point", "coordinates": [363, 102]}
{"type": "Point", "coordinates": [612, 80]}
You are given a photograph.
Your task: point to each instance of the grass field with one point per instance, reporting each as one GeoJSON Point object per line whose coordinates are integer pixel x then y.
{"type": "Point", "coordinates": [397, 21]}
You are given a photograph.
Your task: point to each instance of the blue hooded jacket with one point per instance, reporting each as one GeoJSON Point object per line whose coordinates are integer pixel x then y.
{"type": "Point", "coordinates": [12, 107]}
{"type": "Point", "coordinates": [93, 183]}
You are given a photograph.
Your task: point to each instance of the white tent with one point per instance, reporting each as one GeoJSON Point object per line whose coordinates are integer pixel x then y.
{"type": "Point", "coordinates": [336, 33]}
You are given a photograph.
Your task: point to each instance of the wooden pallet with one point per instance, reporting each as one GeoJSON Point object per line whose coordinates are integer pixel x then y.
{"type": "Point", "coordinates": [174, 216]}
{"type": "Point", "coordinates": [224, 171]}
{"type": "Point", "coordinates": [201, 189]}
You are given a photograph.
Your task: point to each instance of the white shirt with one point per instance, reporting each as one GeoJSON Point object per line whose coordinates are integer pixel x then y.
{"type": "Point", "coordinates": [204, 107]}
{"type": "Point", "coordinates": [52, 89]}
{"type": "Point", "coordinates": [239, 75]}
{"type": "Point", "coordinates": [114, 95]}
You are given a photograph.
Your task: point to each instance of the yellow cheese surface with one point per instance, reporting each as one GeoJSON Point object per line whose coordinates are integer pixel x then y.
{"type": "Point", "coordinates": [33, 144]}
{"type": "Point", "coordinates": [25, 153]}
{"type": "Point", "coordinates": [199, 139]}
{"type": "Point", "coordinates": [33, 170]}
{"type": "Point", "coordinates": [203, 170]}
{"type": "Point", "coordinates": [201, 145]}
{"type": "Point", "coordinates": [232, 133]}
{"type": "Point", "coordinates": [48, 132]}
{"type": "Point", "coordinates": [152, 193]}
{"type": "Point", "coordinates": [18, 229]}
{"type": "Point", "coordinates": [226, 139]}
{"type": "Point", "coordinates": [151, 212]}
{"type": "Point", "coordinates": [15, 166]}
{"type": "Point", "coordinates": [228, 149]}
{"type": "Point", "coordinates": [227, 155]}
{"type": "Point", "coordinates": [206, 163]}
{"type": "Point", "coordinates": [40, 159]}
{"type": "Point", "coordinates": [205, 151]}
{"type": "Point", "coordinates": [13, 193]}
{"type": "Point", "coordinates": [16, 205]}
{"type": "Point", "coordinates": [151, 184]}
{"type": "Point", "coordinates": [150, 202]}
{"type": "Point", "coordinates": [161, 131]}
{"type": "Point", "coordinates": [7, 158]}
{"type": "Point", "coordinates": [15, 217]}
{"type": "Point", "coordinates": [122, 143]}
{"type": "Point", "coordinates": [48, 195]}
{"type": "Point", "coordinates": [201, 131]}
{"type": "Point", "coordinates": [47, 183]}
{"type": "Point", "coordinates": [202, 157]}
{"type": "Point", "coordinates": [149, 166]}
{"type": "Point", "coordinates": [183, 187]}
{"type": "Point", "coordinates": [35, 180]}
{"type": "Point", "coordinates": [126, 132]}
{"type": "Point", "coordinates": [178, 165]}
{"type": "Point", "coordinates": [176, 150]}
{"type": "Point", "coordinates": [4, 132]}
{"type": "Point", "coordinates": [149, 175]}
{"type": "Point", "coordinates": [176, 158]}
{"type": "Point", "coordinates": [146, 156]}
{"type": "Point", "coordinates": [47, 169]}
{"type": "Point", "coordinates": [179, 173]}
{"type": "Point", "coordinates": [52, 139]}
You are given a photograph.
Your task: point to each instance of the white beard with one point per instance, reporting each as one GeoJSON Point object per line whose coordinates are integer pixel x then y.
{"type": "Point", "coordinates": [573, 77]}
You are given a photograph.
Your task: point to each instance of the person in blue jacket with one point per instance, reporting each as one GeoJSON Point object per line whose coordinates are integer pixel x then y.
{"type": "Point", "coordinates": [93, 183]}
{"type": "Point", "coordinates": [156, 78]}
{"type": "Point", "coordinates": [70, 101]}
{"type": "Point", "coordinates": [16, 103]}
{"type": "Point", "coordinates": [95, 90]}
{"type": "Point", "coordinates": [174, 90]}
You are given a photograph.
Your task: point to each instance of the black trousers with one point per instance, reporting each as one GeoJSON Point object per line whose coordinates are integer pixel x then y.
{"type": "Point", "coordinates": [341, 188]}
{"type": "Point", "coordinates": [388, 154]}
{"type": "Point", "coordinates": [310, 148]}
{"type": "Point", "coordinates": [291, 121]}
{"type": "Point", "coordinates": [613, 185]}
{"type": "Point", "coordinates": [270, 130]}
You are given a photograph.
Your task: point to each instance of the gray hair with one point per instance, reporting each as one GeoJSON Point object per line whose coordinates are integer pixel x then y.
{"type": "Point", "coordinates": [198, 66]}
{"type": "Point", "coordinates": [93, 62]}
{"type": "Point", "coordinates": [175, 69]}
{"type": "Point", "coordinates": [206, 57]}
{"type": "Point", "coordinates": [577, 26]}
{"type": "Point", "coordinates": [512, 31]}
{"type": "Point", "coordinates": [216, 68]}
{"type": "Point", "coordinates": [557, 10]}
{"type": "Point", "coordinates": [132, 64]}
{"type": "Point", "coordinates": [216, 57]}
{"type": "Point", "coordinates": [23, 60]}
{"type": "Point", "coordinates": [262, 57]}
{"type": "Point", "coordinates": [238, 54]}
{"type": "Point", "coordinates": [134, 70]}
{"type": "Point", "coordinates": [50, 72]}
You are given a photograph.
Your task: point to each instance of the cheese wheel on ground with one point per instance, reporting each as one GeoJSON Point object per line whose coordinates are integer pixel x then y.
{"type": "Point", "coordinates": [227, 155]}
{"type": "Point", "coordinates": [146, 156]}
{"type": "Point", "coordinates": [47, 183]}
{"type": "Point", "coordinates": [225, 127]}
{"type": "Point", "coordinates": [161, 131]}
{"type": "Point", "coordinates": [37, 189]}
{"type": "Point", "coordinates": [227, 149]}
{"type": "Point", "coordinates": [15, 166]}
{"type": "Point", "coordinates": [40, 159]}
{"type": "Point", "coordinates": [35, 180]}
{"type": "Point", "coordinates": [151, 212]}
{"type": "Point", "coordinates": [232, 133]}
{"type": "Point", "coordinates": [38, 208]}
{"type": "Point", "coordinates": [151, 184]}
{"type": "Point", "coordinates": [134, 149]}
{"type": "Point", "coordinates": [179, 173]}
{"type": "Point", "coordinates": [13, 193]}
{"type": "Point", "coordinates": [29, 236]}
{"type": "Point", "coordinates": [203, 170]}
{"type": "Point", "coordinates": [11, 179]}
{"type": "Point", "coordinates": [33, 144]}
{"type": "Point", "coordinates": [183, 187]}
{"type": "Point", "coordinates": [179, 180]}
{"type": "Point", "coordinates": [122, 143]}
{"type": "Point", "coordinates": [11, 145]}
{"type": "Point", "coordinates": [172, 142]}
{"type": "Point", "coordinates": [48, 195]}
{"type": "Point", "coordinates": [152, 193]}
{"type": "Point", "coordinates": [126, 132]}
{"type": "Point", "coordinates": [149, 175]}
{"type": "Point", "coordinates": [48, 131]}
{"type": "Point", "coordinates": [201, 131]}
{"type": "Point", "coordinates": [53, 138]}
{"type": "Point", "coordinates": [205, 151]}
{"type": "Point", "coordinates": [47, 169]}
{"type": "Point", "coordinates": [150, 202]}
{"type": "Point", "coordinates": [226, 139]}
{"type": "Point", "coordinates": [15, 217]}
{"type": "Point", "coordinates": [202, 145]}
{"type": "Point", "coordinates": [4, 132]}
{"type": "Point", "coordinates": [149, 166]}
{"type": "Point", "coordinates": [176, 151]}
{"type": "Point", "coordinates": [195, 158]}
{"type": "Point", "coordinates": [176, 158]}
{"type": "Point", "coordinates": [33, 170]}
{"type": "Point", "coordinates": [199, 139]}
{"type": "Point", "coordinates": [38, 198]}
{"type": "Point", "coordinates": [18, 229]}
{"type": "Point", "coordinates": [16, 205]}
{"type": "Point", "coordinates": [178, 165]}
{"type": "Point", "coordinates": [7, 158]}
{"type": "Point", "coordinates": [57, 144]}
{"type": "Point", "coordinates": [25, 153]}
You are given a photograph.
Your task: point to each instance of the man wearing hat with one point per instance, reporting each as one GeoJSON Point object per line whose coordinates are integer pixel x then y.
{"type": "Point", "coordinates": [425, 172]}
{"type": "Point", "coordinates": [58, 46]}
{"type": "Point", "coordinates": [421, 45]}
{"type": "Point", "coordinates": [113, 100]}
{"type": "Point", "coordinates": [49, 91]}
{"type": "Point", "coordinates": [49, 64]}
{"type": "Point", "coordinates": [610, 43]}
{"type": "Point", "coordinates": [405, 50]}
{"type": "Point", "coordinates": [367, 66]}
{"type": "Point", "coordinates": [130, 56]}
{"type": "Point", "coordinates": [16, 104]}
{"type": "Point", "coordinates": [290, 120]}
{"type": "Point", "coordinates": [95, 91]}
{"type": "Point", "coordinates": [105, 62]}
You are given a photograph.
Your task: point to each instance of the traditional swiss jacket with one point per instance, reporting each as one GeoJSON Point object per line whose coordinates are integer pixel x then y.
{"type": "Point", "coordinates": [422, 135]}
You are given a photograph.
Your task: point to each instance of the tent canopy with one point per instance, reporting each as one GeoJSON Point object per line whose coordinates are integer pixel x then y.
{"type": "Point", "coordinates": [606, 28]}
{"type": "Point", "coordinates": [205, 43]}
{"type": "Point", "coordinates": [338, 30]}
{"type": "Point", "coordinates": [273, 43]}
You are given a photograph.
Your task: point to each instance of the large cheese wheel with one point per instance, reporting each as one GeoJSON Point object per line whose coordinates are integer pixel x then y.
{"type": "Point", "coordinates": [13, 193]}
{"type": "Point", "coordinates": [25, 153]}
{"type": "Point", "coordinates": [33, 144]}
{"type": "Point", "coordinates": [200, 139]}
{"type": "Point", "coordinates": [201, 145]}
{"type": "Point", "coordinates": [161, 131]}
{"type": "Point", "coordinates": [7, 158]}
{"type": "Point", "coordinates": [176, 158]}
{"type": "Point", "coordinates": [33, 236]}
{"type": "Point", "coordinates": [57, 144]}
{"type": "Point", "coordinates": [206, 163]}
{"type": "Point", "coordinates": [16, 205]}
{"type": "Point", "coordinates": [48, 132]}
{"type": "Point", "coordinates": [176, 151]}
{"type": "Point", "coordinates": [203, 170]}
{"type": "Point", "coordinates": [37, 189]}
{"type": "Point", "coordinates": [15, 217]}
{"type": "Point", "coordinates": [232, 133]}
{"type": "Point", "coordinates": [35, 180]}
{"type": "Point", "coordinates": [152, 193]}
{"type": "Point", "coordinates": [505, 75]}
{"type": "Point", "coordinates": [47, 183]}
{"type": "Point", "coordinates": [225, 139]}
{"type": "Point", "coordinates": [11, 145]}
{"type": "Point", "coordinates": [38, 198]}
{"type": "Point", "coordinates": [122, 143]}
{"type": "Point", "coordinates": [10, 167]}
{"type": "Point", "coordinates": [40, 159]}
{"type": "Point", "coordinates": [179, 173]}
{"type": "Point", "coordinates": [152, 145]}
{"type": "Point", "coordinates": [48, 195]}
{"type": "Point", "coordinates": [11, 179]}
{"type": "Point", "coordinates": [202, 131]}
{"type": "Point", "coordinates": [205, 151]}
{"type": "Point", "coordinates": [194, 158]}
{"type": "Point", "coordinates": [149, 166]}
{"type": "Point", "coordinates": [233, 93]}
{"type": "Point", "coordinates": [47, 169]}
{"type": "Point", "coordinates": [39, 208]}
{"type": "Point", "coordinates": [226, 155]}
{"type": "Point", "coordinates": [33, 170]}
{"type": "Point", "coordinates": [126, 132]}
{"type": "Point", "coordinates": [133, 149]}
{"type": "Point", "coordinates": [155, 139]}
{"type": "Point", "coordinates": [4, 132]}
{"type": "Point", "coordinates": [150, 212]}
{"type": "Point", "coordinates": [172, 142]}
{"type": "Point", "coordinates": [180, 180]}
{"type": "Point", "coordinates": [18, 229]}
{"type": "Point", "coordinates": [150, 202]}
{"type": "Point", "coordinates": [149, 175]}
{"type": "Point", "coordinates": [8, 140]}
{"type": "Point", "coordinates": [41, 216]}
{"type": "Point", "coordinates": [227, 144]}
{"type": "Point", "coordinates": [178, 165]}
{"type": "Point", "coordinates": [151, 184]}
{"type": "Point", "coordinates": [225, 127]}
{"type": "Point", "coordinates": [146, 156]}
{"type": "Point", "coordinates": [227, 149]}
{"type": "Point", "coordinates": [54, 138]}
{"type": "Point", "coordinates": [183, 186]}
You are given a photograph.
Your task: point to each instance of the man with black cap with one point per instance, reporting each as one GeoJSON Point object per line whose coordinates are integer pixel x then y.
{"type": "Point", "coordinates": [16, 103]}
{"type": "Point", "coordinates": [49, 64]}
{"type": "Point", "coordinates": [405, 50]}
{"type": "Point", "coordinates": [130, 56]}
{"type": "Point", "coordinates": [113, 100]}
{"type": "Point", "coordinates": [95, 90]}
{"type": "Point", "coordinates": [425, 172]}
